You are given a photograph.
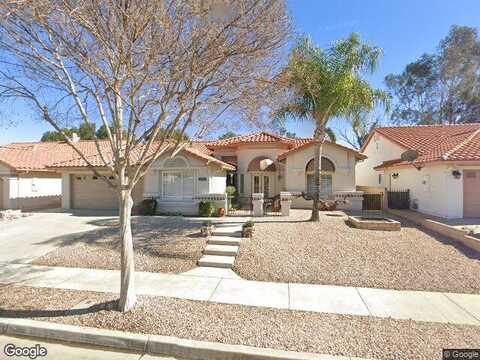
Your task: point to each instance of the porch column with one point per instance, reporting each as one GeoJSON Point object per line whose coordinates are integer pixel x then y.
{"type": "Point", "coordinates": [257, 200]}
{"type": "Point", "coordinates": [285, 202]}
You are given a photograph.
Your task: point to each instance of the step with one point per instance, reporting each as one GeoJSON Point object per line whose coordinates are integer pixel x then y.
{"type": "Point", "coordinates": [228, 231]}
{"type": "Point", "coordinates": [223, 240]}
{"type": "Point", "coordinates": [225, 250]}
{"type": "Point", "coordinates": [217, 261]}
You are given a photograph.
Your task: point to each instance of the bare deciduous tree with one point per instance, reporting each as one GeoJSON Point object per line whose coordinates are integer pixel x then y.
{"type": "Point", "coordinates": [143, 69]}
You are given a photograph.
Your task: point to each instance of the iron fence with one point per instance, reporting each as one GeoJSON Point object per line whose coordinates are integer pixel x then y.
{"type": "Point", "coordinates": [372, 201]}
{"type": "Point", "coordinates": [399, 199]}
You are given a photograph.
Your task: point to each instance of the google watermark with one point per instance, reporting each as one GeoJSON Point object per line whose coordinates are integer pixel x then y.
{"type": "Point", "coordinates": [469, 354]}
{"type": "Point", "coordinates": [31, 352]}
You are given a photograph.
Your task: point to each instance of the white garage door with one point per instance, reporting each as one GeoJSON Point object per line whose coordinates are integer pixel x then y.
{"type": "Point", "coordinates": [89, 192]}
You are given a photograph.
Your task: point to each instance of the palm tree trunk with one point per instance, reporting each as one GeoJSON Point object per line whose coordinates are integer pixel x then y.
{"type": "Point", "coordinates": [317, 175]}
{"type": "Point", "coordinates": [127, 275]}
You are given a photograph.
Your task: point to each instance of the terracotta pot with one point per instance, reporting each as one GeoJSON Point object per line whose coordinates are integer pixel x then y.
{"type": "Point", "coordinates": [221, 212]}
{"type": "Point", "coordinates": [248, 232]}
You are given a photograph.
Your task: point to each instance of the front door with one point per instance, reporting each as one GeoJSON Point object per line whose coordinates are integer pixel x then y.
{"type": "Point", "coordinates": [263, 183]}
{"type": "Point", "coordinates": [471, 193]}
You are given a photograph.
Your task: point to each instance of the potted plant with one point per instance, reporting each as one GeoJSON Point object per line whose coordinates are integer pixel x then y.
{"type": "Point", "coordinates": [248, 229]}
{"type": "Point", "coordinates": [207, 228]}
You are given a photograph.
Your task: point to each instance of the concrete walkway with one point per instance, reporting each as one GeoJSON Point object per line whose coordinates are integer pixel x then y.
{"type": "Point", "coordinates": [415, 305]}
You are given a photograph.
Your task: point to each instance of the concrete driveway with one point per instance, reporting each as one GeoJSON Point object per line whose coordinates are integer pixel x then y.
{"type": "Point", "coordinates": [24, 239]}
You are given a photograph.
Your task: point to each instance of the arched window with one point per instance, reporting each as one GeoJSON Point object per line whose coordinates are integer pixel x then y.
{"type": "Point", "coordinates": [176, 162]}
{"type": "Point", "coordinates": [326, 181]}
{"type": "Point", "coordinates": [327, 165]}
{"type": "Point", "coordinates": [177, 180]}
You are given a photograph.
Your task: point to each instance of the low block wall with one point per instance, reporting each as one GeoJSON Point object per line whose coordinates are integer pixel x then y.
{"type": "Point", "coordinates": [443, 229]}
{"type": "Point", "coordinates": [36, 203]}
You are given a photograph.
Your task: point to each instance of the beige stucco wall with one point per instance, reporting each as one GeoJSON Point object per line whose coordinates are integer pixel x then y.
{"type": "Point", "coordinates": [378, 150]}
{"type": "Point", "coordinates": [343, 179]}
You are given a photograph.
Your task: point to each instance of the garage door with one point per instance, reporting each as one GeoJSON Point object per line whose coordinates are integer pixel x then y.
{"type": "Point", "coordinates": [89, 192]}
{"type": "Point", "coordinates": [471, 193]}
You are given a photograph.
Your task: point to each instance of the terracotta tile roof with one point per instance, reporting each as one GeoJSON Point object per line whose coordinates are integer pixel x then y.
{"type": "Point", "coordinates": [37, 156]}
{"type": "Point", "coordinates": [435, 142]}
{"type": "Point", "coordinates": [96, 159]}
{"type": "Point", "coordinates": [308, 142]}
{"type": "Point", "coordinates": [260, 137]}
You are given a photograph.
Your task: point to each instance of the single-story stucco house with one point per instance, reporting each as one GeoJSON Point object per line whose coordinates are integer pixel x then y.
{"type": "Point", "coordinates": [202, 170]}
{"type": "Point", "coordinates": [444, 180]}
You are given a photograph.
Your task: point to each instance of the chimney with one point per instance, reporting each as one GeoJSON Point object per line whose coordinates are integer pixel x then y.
{"type": "Point", "coordinates": [75, 138]}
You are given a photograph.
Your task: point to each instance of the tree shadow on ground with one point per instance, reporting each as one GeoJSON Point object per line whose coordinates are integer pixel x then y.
{"type": "Point", "coordinates": [161, 244]}
{"type": "Point", "coordinates": [34, 313]}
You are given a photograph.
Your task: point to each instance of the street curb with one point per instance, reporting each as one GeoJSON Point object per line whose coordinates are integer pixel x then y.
{"type": "Point", "coordinates": [153, 344]}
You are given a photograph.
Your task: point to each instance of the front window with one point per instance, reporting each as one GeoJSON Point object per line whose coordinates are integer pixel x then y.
{"type": "Point", "coordinates": [266, 185]}
{"type": "Point", "coordinates": [256, 184]}
{"type": "Point", "coordinates": [178, 184]}
{"type": "Point", "coordinates": [242, 183]}
{"type": "Point", "coordinates": [326, 188]}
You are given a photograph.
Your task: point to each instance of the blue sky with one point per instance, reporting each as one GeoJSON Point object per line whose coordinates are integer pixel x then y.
{"type": "Point", "coordinates": [404, 29]}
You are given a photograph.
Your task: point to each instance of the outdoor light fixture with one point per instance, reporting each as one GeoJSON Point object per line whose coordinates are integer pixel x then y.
{"type": "Point", "coordinates": [395, 175]}
{"type": "Point", "coordinates": [456, 174]}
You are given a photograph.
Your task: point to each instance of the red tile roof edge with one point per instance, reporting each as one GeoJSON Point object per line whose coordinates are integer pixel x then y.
{"type": "Point", "coordinates": [358, 154]}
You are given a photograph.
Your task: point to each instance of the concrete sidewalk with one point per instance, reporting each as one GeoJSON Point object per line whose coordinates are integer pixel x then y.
{"type": "Point", "coordinates": [415, 305]}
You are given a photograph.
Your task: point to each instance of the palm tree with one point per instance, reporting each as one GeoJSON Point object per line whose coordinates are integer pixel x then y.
{"type": "Point", "coordinates": [323, 84]}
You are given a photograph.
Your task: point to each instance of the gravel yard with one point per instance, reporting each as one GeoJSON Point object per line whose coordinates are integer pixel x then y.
{"type": "Point", "coordinates": [234, 324]}
{"type": "Point", "coordinates": [331, 252]}
{"type": "Point", "coordinates": [162, 244]}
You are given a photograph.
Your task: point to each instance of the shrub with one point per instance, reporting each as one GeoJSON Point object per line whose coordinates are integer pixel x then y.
{"type": "Point", "coordinates": [148, 207]}
{"type": "Point", "coordinates": [230, 190]}
{"type": "Point", "coordinates": [249, 223]}
{"type": "Point", "coordinates": [206, 209]}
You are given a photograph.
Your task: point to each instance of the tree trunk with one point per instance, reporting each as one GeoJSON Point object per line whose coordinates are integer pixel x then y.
{"type": "Point", "coordinates": [127, 284]}
{"type": "Point", "coordinates": [317, 174]}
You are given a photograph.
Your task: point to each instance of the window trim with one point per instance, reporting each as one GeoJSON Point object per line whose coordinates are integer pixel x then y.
{"type": "Point", "coordinates": [183, 173]}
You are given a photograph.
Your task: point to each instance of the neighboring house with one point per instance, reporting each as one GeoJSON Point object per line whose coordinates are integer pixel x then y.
{"type": "Point", "coordinates": [445, 178]}
{"type": "Point", "coordinates": [255, 163]}
{"type": "Point", "coordinates": [25, 182]}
